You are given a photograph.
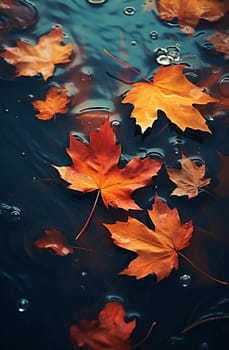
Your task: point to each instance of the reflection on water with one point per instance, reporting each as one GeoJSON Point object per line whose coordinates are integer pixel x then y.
{"type": "Point", "coordinates": [44, 294]}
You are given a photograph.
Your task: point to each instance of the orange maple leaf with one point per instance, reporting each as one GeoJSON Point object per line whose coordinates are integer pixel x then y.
{"type": "Point", "coordinates": [221, 42]}
{"type": "Point", "coordinates": [56, 101]}
{"type": "Point", "coordinates": [189, 12]}
{"type": "Point", "coordinates": [55, 240]}
{"type": "Point", "coordinates": [41, 58]}
{"type": "Point", "coordinates": [189, 179]}
{"type": "Point", "coordinates": [95, 167]}
{"type": "Point", "coordinates": [171, 92]}
{"type": "Point", "coordinates": [157, 250]}
{"type": "Point", "coordinates": [111, 331]}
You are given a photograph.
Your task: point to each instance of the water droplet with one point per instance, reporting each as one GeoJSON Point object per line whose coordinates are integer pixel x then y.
{"type": "Point", "coordinates": [164, 60]}
{"type": "Point", "coordinates": [173, 53]}
{"type": "Point", "coordinates": [185, 280]}
{"type": "Point", "coordinates": [133, 42]}
{"type": "Point", "coordinates": [84, 274]}
{"type": "Point", "coordinates": [23, 305]}
{"type": "Point", "coordinates": [223, 85]}
{"type": "Point", "coordinates": [96, 2]}
{"type": "Point", "coordinates": [129, 10]}
{"type": "Point", "coordinates": [57, 25]}
{"type": "Point", "coordinates": [115, 123]}
{"type": "Point", "coordinates": [153, 35]}
{"type": "Point", "coordinates": [113, 297]}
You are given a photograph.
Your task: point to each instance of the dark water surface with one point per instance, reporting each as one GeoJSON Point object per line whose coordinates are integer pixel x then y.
{"type": "Point", "coordinates": [42, 294]}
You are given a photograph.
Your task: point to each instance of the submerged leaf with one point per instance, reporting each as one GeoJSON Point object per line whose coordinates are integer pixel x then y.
{"type": "Point", "coordinates": [94, 167]}
{"type": "Point", "coordinates": [55, 240]}
{"type": "Point", "coordinates": [157, 250]}
{"type": "Point", "coordinates": [55, 102]}
{"type": "Point", "coordinates": [221, 42]}
{"type": "Point", "coordinates": [171, 92]}
{"type": "Point", "coordinates": [30, 60]}
{"type": "Point", "coordinates": [110, 332]}
{"type": "Point", "coordinates": [189, 179]}
{"type": "Point", "coordinates": [189, 12]}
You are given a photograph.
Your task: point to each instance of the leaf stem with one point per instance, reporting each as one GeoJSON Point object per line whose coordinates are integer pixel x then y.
{"type": "Point", "coordinates": [127, 65]}
{"type": "Point", "coordinates": [89, 217]}
{"type": "Point", "coordinates": [145, 337]}
{"type": "Point", "coordinates": [201, 271]}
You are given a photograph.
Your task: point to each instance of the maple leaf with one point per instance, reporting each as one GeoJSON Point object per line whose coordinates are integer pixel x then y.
{"type": "Point", "coordinates": [171, 92]}
{"type": "Point", "coordinates": [189, 12]}
{"type": "Point", "coordinates": [221, 42]}
{"type": "Point", "coordinates": [189, 179]}
{"type": "Point", "coordinates": [157, 250]}
{"type": "Point", "coordinates": [55, 102]}
{"type": "Point", "coordinates": [111, 331]}
{"type": "Point", "coordinates": [95, 167]}
{"type": "Point", "coordinates": [55, 240]}
{"type": "Point", "coordinates": [41, 58]}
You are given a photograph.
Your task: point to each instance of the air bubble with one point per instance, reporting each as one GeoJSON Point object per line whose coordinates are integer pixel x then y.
{"type": "Point", "coordinates": [19, 101]}
{"type": "Point", "coordinates": [185, 280]}
{"type": "Point", "coordinates": [23, 154]}
{"type": "Point", "coordinates": [129, 10]}
{"type": "Point", "coordinates": [204, 346]}
{"type": "Point", "coordinates": [23, 305]}
{"type": "Point", "coordinates": [115, 123]}
{"type": "Point", "coordinates": [84, 274]}
{"type": "Point", "coordinates": [132, 316]}
{"type": "Point", "coordinates": [153, 35]}
{"type": "Point", "coordinates": [31, 96]}
{"type": "Point", "coordinates": [133, 42]}
{"type": "Point", "coordinates": [6, 110]}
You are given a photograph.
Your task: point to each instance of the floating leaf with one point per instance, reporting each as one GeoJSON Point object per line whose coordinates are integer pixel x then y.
{"type": "Point", "coordinates": [95, 168]}
{"type": "Point", "coordinates": [157, 250]}
{"type": "Point", "coordinates": [171, 92]}
{"type": "Point", "coordinates": [189, 12]}
{"type": "Point", "coordinates": [41, 58]}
